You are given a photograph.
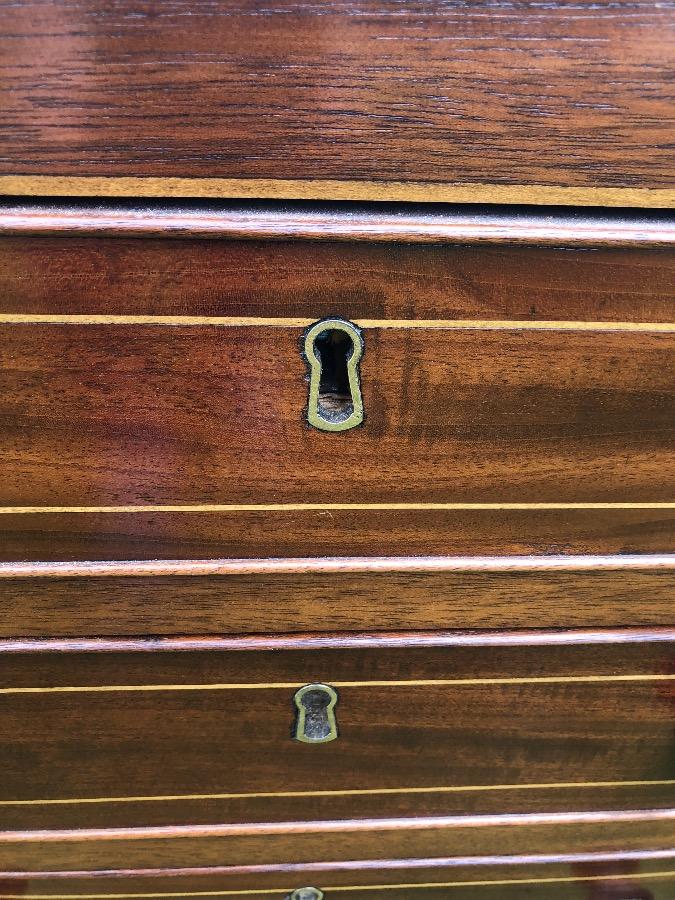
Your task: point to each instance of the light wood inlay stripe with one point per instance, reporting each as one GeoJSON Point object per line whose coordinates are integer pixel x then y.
{"type": "Point", "coordinates": [332, 189]}
{"type": "Point", "coordinates": [569, 879]}
{"type": "Point", "coordinates": [293, 685]}
{"type": "Point", "coordinates": [355, 792]}
{"type": "Point", "coordinates": [305, 322]}
{"type": "Point", "coordinates": [309, 507]}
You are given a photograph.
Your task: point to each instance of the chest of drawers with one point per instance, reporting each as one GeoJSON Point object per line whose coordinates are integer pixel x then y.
{"type": "Point", "coordinates": [336, 439]}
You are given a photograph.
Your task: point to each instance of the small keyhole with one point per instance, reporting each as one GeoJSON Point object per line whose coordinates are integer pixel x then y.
{"type": "Point", "coordinates": [315, 720]}
{"type": "Point", "coordinates": [334, 349]}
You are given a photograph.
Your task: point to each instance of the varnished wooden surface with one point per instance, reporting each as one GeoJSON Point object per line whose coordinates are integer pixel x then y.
{"type": "Point", "coordinates": [580, 877]}
{"type": "Point", "coordinates": [532, 727]}
{"type": "Point", "coordinates": [520, 94]}
{"type": "Point", "coordinates": [326, 532]}
{"type": "Point", "coordinates": [339, 565]}
{"type": "Point", "coordinates": [278, 189]}
{"type": "Point", "coordinates": [268, 603]}
{"type": "Point", "coordinates": [179, 405]}
{"type": "Point", "coordinates": [310, 280]}
{"type": "Point", "coordinates": [368, 839]}
{"type": "Point", "coordinates": [200, 415]}
{"type": "Point", "coordinates": [346, 222]}
{"type": "Point", "coordinates": [595, 425]}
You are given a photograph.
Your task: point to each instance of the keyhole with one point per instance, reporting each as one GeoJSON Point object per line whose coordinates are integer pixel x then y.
{"type": "Point", "coordinates": [335, 398]}
{"type": "Point", "coordinates": [315, 720]}
{"type": "Point", "coordinates": [333, 349]}
{"type": "Point", "coordinates": [306, 893]}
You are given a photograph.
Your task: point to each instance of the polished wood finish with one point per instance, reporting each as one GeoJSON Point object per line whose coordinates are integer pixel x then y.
{"type": "Point", "coordinates": [328, 190]}
{"type": "Point", "coordinates": [200, 416]}
{"type": "Point", "coordinates": [180, 554]}
{"type": "Point", "coordinates": [365, 839]}
{"type": "Point", "coordinates": [311, 280]}
{"type": "Point", "coordinates": [374, 223]}
{"type": "Point", "coordinates": [330, 531]}
{"type": "Point", "coordinates": [520, 94]}
{"type": "Point", "coordinates": [477, 728]}
{"type": "Point", "coordinates": [470, 597]}
{"type": "Point", "coordinates": [579, 877]}
{"type": "Point", "coordinates": [392, 284]}
{"type": "Point", "coordinates": [338, 565]}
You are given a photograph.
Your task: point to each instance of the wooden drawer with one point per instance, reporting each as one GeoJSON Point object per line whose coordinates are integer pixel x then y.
{"type": "Point", "coordinates": [510, 723]}
{"type": "Point", "coordinates": [517, 400]}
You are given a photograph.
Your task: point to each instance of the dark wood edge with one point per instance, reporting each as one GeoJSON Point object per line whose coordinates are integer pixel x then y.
{"type": "Point", "coordinates": [342, 565]}
{"type": "Point", "coordinates": [450, 862]}
{"type": "Point", "coordinates": [341, 222]}
{"type": "Point", "coordinates": [341, 641]}
{"type": "Point", "coordinates": [409, 823]}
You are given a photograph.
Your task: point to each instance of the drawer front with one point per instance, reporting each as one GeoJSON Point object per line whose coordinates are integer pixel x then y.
{"type": "Point", "coordinates": [195, 735]}
{"type": "Point", "coordinates": [187, 436]}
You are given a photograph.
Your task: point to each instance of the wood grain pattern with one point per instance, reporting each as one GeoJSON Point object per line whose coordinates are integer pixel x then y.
{"type": "Point", "coordinates": [519, 94]}
{"type": "Point", "coordinates": [311, 280]}
{"type": "Point", "coordinates": [366, 839]}
{"type": "Point", "coordinates": [401, 222]}
{"type": "Point", "coordinates": [235, 604]}
{"type": "Point", "coordinates": [326, 532]}
{"type": "Point", "coordinates": [196, 415]}
{"type": "Point", "coordinates": [534, 727]}
{"type": "Point", "coordinates": [580, 877]}
{"type": "Point", "coordinates": [330, 190]}
{"type": "Point", "coordinates": [408, 801]}
{"type": "Point", "coordinates": [337, 565]}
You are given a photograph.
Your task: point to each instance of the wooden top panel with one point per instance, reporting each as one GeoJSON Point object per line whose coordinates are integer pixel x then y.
{"type": "Point", "coordinates": [561, 94]}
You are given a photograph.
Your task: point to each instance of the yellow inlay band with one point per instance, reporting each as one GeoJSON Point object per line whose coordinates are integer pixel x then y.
{"type": "Point", "coordinates": [304, 322]}
{"type": "Point", "coordinates": [356, 887]}
{"type": "Point", "coordinates": [310, 507]}
{"type": "Point", "coordinates": [293, 685]}
{"type": "Point", "coordinates": [332, 189]}
{"type": "Point", "coordinates": [356, 792]}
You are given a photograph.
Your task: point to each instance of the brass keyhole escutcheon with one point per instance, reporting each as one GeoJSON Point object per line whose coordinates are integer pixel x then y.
{"type": "Point", "coordinates": [306, 893]}
{"type": "Point", "coordinates": [315, 721]}
{"type": "Point", "coordinates": [333, 349]}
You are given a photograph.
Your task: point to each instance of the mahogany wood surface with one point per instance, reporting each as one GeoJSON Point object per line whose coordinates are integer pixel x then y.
{"type": "Point", "coordinates": [335, 841]}
{"type": "Point", "coordinates": [82, 404]}
{"type": "Point", "coordinates": [236, 604]}
{"type": "Point", "coordinates": [519, 93]}
{"type": "Point", "coordinates": [519, 389]}
{"type": "Point", "coordinates": [582, 878]}
{"type": "Point", "coordinates": [193, 415]}
{"type": "Point", "coordinates": [463, 728]}
{"type": "Point", "coordinates": [357, 280]}
{"type": "Point", "coordinates": [326, 532]}
{"type": "Point", "coordinates": [432, 223]}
